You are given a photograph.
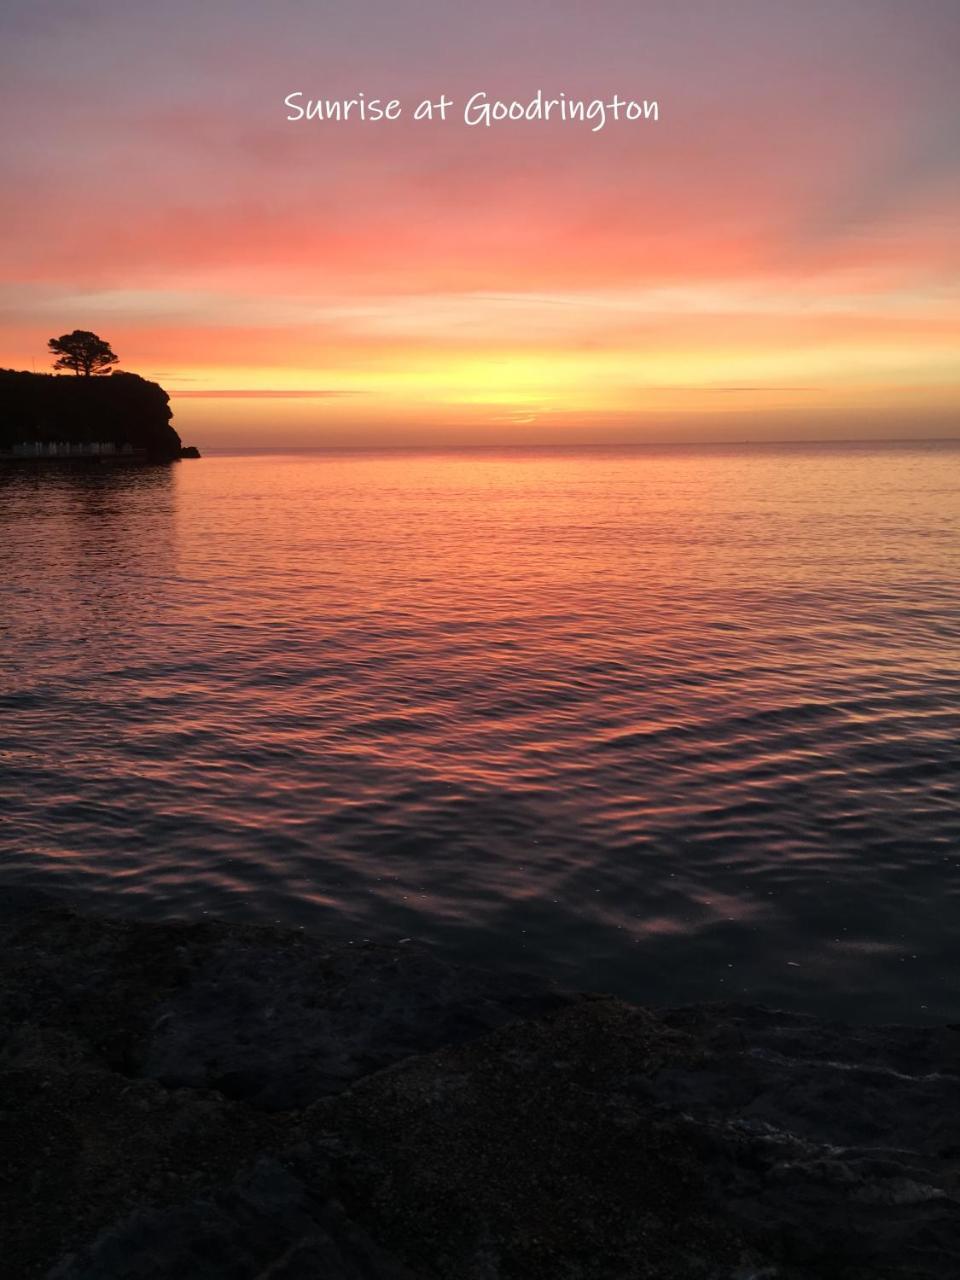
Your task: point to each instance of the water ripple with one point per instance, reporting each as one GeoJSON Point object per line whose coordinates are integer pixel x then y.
{"type": "Point", "coordinates": [677, 723]}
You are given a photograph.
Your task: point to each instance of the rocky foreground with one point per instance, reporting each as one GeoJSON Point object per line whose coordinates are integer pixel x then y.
{"type": "Point", "coordinates": [218, 1101]}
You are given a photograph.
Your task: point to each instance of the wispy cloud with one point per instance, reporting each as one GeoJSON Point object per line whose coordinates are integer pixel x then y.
{"type": "Point", "coordinates": [269, 393]}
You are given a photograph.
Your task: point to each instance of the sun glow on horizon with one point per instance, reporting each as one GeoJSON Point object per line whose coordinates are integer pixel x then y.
{"type": "Point", "coordinates": [776, 254]}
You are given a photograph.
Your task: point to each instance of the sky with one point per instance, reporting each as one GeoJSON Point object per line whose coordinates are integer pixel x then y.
{"type": "Point", "coordinates": [775, 257]}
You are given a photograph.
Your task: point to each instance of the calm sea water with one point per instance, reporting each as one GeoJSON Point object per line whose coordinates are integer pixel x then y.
{"type": "Point", "coordinates": [679, 723]}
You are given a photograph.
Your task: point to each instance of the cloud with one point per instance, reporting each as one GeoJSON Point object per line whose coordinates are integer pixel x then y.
{"type": "Point", "coordinates": [258, 394]}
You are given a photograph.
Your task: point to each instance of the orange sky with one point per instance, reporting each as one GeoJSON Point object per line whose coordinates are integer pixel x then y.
{"type": "Point", "coordinates": [776, 257]}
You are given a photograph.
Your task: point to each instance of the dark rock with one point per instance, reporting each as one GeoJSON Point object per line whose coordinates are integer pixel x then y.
{"type": "Point", "coordinates": [537, 1152]}
{"type": "Point", "coordinates": [266, 1224]}
{"type": "Point", "coordinates": [607, 1141]}
{"type": "Point", "coordinates": [213, 1101]}
{"type": "Point", "coordinates": [189, 451]}
{"type": "Point", "coordinates": [274, 1018]}
{"type": "Point", "coordinates": [83, 1148]}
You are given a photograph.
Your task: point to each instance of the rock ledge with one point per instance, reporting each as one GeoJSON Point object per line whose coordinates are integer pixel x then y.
{"type": "Point", "coordinates": [214, 1100]}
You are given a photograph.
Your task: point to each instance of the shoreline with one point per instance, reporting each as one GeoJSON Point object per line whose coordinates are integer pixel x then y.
{"type": "Point", "coordinates": [224, 1100]}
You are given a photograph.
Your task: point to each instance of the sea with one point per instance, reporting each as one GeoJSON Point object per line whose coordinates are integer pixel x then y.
{"type": "Point", "coordinates": [679, 723]}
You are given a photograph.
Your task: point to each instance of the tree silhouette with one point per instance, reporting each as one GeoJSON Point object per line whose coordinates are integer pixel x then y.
{"type": "Point", "coordinates": [83, 352]}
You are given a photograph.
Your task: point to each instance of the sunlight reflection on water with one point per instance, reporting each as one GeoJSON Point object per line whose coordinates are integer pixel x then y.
{"type": "Point", "coordinates": [679, 723]}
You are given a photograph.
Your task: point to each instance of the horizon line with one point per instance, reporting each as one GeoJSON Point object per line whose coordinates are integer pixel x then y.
{"type": "Point", "coordinates": [575, 444]}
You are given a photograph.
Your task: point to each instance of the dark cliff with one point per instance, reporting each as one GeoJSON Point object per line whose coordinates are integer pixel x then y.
{"type": "Point", "coordinates": [122, 409]}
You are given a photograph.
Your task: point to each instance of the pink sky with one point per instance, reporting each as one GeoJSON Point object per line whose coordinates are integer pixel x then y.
{"type": "Point", "coordinates": [775, 257]}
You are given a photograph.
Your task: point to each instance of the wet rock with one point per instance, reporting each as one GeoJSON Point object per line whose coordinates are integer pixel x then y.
{"type": "Point", "coordinates": [537, 1152]}
{"type": "Point", "coordinates": [266, 1224]}
{"type": "Point", "coordinates": [281, 1027]}
{"type": "Point", "coordinates": [213, 1101]}
{"type": "Point", "coordinates": [83, 1148]}
{"type": "Point", "coordinates": [272, 1017]}
{"type": "Point", "coordinates": [607, 1141]}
